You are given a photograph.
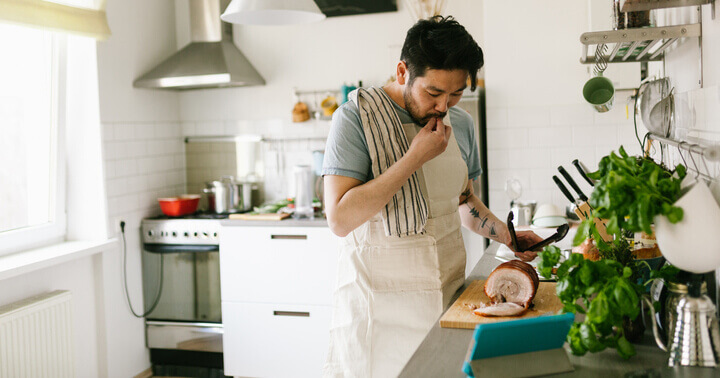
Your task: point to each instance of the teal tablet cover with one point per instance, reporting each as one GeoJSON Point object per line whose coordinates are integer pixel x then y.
{"type": "Point", "coordinates": [519, 336]}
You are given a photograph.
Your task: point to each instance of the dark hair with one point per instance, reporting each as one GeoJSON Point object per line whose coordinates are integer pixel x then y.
{"type": "Point", "coordinates": [441, 43]}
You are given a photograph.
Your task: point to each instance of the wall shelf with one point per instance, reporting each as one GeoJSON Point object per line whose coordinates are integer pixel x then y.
{"type": "Point", "coordinates": [643, 5]}
{"type": "Point", "coordinates": [636, 45]}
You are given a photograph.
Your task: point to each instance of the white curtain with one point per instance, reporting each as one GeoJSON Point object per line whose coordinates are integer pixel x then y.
{"type": "Point", "coordinates": [82, 17]}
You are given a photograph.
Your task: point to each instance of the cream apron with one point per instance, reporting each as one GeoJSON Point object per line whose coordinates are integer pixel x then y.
{"type": "Point", "coordinates": [390, 290]}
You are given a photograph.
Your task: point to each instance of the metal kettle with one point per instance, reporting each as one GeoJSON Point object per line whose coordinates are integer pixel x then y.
{"type": "Point", "coordinates": [694, 338]}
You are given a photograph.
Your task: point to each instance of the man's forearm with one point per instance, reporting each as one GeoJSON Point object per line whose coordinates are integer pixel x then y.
{"type": "Point", "coordinates": [477, 217]}
{"type": "Point", "coordinates": [362, 202]}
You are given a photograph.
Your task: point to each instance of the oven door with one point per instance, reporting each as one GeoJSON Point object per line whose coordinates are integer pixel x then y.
{"type": "Point", "coordinates": [184, 280]}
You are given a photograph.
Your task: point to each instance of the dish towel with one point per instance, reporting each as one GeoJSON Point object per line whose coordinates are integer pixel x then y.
{"type": "Point", "coordinates": [406, 214]}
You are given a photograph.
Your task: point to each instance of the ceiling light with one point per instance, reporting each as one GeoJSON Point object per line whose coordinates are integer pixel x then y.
{"type": "Point", "coordinates": [272, 12]}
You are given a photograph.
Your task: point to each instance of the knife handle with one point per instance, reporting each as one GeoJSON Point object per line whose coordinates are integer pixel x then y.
{"type": "Point", "coordinates": [563, 189]}
{"type": "Point", "coordinates": [582, 172]}
{"type": "Point", "coordinates": [572, 183]}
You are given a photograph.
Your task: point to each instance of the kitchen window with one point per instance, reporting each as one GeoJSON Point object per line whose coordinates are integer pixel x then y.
{"type": "Point", "coordinates": [32, 113]}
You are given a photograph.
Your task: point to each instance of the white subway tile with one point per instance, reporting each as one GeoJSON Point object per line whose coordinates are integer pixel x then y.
{"type": "Point", "coordinates": [137, 148]}
{"type": "Point", "coordinates": [498, 159]}
{"type": "Point", "coordinates": [572, 115]}
{"type": "Point", "coordinates": [111, 150]}
{"type": "Point", "coordinates": [188, 129]}
{"type": "Point", "coordinates": [126, 167]}
{"type": "Point", "coordinates": [497, 117]}
{"type": "Point", "coordinates": [565, 155]}
{"type": "Point", "coordinates": [144, 131]}
{"type": "Point", "coordinates": [210, 128]}
{"type": "Point", "coordinates": [498, 177]}
{"type": "Point", "coordinates": [138, 184]}
{"type": "Point", "coordinates": [124, 131]}
{"type": "Point", "coordinates": [541, 178]}
{"type": "Point", "coordinates": [156, 181]}
{"type": "Point", "coordinates": [116, 187]}
{"type": "Point", "coordinates": [108, 131]}
{"type": "Point", "coordinates": [528, 116]}
{"type": "Point", "coordinates": [550, 136]}
{"type": "Point", "coordinates": [507, 138]}
{"type": "Point", "coordinates": [110, 169]}
{"type": "Point", "coordinates": [595, 135]}
{"type": "Point", "coordinates": [526, 158]}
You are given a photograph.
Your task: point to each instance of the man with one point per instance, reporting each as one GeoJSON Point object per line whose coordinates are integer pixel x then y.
{"type": "Point", "coordinates": [399, 166]}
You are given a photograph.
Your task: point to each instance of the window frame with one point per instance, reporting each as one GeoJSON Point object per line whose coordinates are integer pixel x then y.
{"type": "Point", "coordinates": [54, 231]}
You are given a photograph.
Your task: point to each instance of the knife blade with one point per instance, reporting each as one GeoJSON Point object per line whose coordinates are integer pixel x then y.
{"type": "Point", "coordinates": [583, 171]}
{"type": "Point", "coordinates": [563, 189]}
{"type": "Point", "coordinates": [572, 183]}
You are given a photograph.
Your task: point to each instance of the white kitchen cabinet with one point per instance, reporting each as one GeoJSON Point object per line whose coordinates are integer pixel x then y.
{"type": "Point", "coordinates": [275, 340]}
{"type": "Point", "coordinates": [276, 289]}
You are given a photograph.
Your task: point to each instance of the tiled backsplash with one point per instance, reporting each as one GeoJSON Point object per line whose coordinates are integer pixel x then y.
{"type": "Point", "coordinates": [143, 161]}
{"type": "Point", "coordinates": [283, 146]}
{"type": "Point", "coordinates": [529, 143]}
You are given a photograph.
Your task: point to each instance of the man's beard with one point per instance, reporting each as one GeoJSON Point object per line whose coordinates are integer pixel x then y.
{"type": "Point", "coordinates": [415, 113]}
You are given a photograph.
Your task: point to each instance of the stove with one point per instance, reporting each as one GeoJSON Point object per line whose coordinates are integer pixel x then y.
{"type": "Point", "coordinates": [194, 229]}
{"type": "Point", "coordinates": [181, 288]}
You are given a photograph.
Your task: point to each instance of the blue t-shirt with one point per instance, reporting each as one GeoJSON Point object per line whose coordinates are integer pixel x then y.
{"type": "Point", "coordinates": [346, 152]}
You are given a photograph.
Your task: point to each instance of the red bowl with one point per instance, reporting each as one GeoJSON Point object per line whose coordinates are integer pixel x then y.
{"type": "Point", "coordinates": [189, 203]}
{"type": "Point", "coordinates": [171, 206]}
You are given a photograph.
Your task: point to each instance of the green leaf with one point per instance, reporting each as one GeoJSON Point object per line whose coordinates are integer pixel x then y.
{"type": "Point", "coordinates": [599, 309]}
{"type": "Point", "coordinates": [583, 232]}
{"type": "Point", "coordinates": [589, 339]}
{"type": "Point", "coordinates": [624, 348]}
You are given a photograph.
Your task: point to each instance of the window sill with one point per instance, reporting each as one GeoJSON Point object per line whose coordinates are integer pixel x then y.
{"type": "Point", "coordinates": [27, 261]}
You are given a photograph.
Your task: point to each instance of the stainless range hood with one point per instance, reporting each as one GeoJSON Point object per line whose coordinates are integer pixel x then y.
{"type": "Point", "coordinates": [211, 60]}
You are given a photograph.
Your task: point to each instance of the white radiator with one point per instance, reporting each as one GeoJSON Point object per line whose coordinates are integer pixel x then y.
{"type": "Point", "coordinates": [36, 337]}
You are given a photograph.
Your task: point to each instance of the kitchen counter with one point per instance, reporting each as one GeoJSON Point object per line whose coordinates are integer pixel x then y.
{"type": "Point", "coordinates": [289, 222]}
{"type": "Point", "coordinates": [443, 351]}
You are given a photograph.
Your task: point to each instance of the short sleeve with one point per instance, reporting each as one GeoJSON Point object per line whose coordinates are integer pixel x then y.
{"type": "Point", "coordinates": [346, 151]}
{"type": "Point", "coordinates": [467, 140]}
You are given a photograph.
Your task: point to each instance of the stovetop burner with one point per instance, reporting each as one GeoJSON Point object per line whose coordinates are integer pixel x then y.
{"type": "Point", "coordinates": [196, 215]}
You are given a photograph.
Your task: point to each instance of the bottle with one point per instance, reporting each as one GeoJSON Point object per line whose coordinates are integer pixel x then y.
{"type": "Point", "coordinates": [304, 191]}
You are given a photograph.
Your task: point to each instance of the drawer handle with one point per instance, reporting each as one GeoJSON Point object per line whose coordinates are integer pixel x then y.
{"type": "Point", "coordinates": [289, 237]}
{"type": "Point", "coordinates": [292, 313]}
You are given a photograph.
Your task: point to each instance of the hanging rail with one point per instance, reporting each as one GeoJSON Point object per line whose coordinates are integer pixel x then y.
{"type": "Point", "coordinates": [635, 45]}
{"type": "Point", "coordinates": [251, 138]}
{"type": "Point", "coordinates": [710, 152]}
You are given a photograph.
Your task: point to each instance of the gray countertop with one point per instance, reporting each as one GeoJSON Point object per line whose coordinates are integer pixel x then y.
{"type": "Point", "coordinates": [289, 222]}
{"type": "Point", "coordinates": [442, 352]}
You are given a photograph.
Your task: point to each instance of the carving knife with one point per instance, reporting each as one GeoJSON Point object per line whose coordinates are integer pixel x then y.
{"type": "Point", "coordinates": [564, 190]}
{"type": "Point", "coordinates": [572, 183]}
{"type": "Point", "coordinates": [583, 171]}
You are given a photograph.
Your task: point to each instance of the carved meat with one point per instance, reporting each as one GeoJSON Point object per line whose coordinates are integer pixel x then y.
{"type": "Point", "coordinates": [511, 287]}
{"type": "Point", "coordinates": [501, 309]}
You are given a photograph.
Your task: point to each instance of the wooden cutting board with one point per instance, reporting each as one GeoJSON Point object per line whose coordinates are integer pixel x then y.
{"type": "Point", "coordinates": [460, 314]}
{"type": "Point", "coordinates": [266, 217]}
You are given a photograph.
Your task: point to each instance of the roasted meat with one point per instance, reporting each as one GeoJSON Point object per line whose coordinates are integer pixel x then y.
{"type": "Point", "coordinates": [511, 288]}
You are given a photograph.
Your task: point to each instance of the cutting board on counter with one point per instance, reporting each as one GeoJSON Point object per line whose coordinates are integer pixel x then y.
{"type": "Point", "coordinates": [266, 217]}
{"type": "Point", "coordinates": [460, 314]}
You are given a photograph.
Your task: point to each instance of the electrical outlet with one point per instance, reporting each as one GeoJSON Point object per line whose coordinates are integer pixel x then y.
{"type": "Point", "coordinates": [116, 225]}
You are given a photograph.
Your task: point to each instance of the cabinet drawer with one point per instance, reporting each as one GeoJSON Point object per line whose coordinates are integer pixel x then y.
{"type": "Point", "coordinates": [268, 340]}
{"type": "Point", "coordinates": [278, 264]}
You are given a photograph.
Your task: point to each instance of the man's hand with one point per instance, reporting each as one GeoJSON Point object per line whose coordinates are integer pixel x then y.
{"type": "Point", "coordinates": [431, 140]}
{"type": "Point", "coordinates": [526, 239]}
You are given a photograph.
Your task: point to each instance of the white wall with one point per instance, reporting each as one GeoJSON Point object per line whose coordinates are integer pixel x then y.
{"type": "Point", "coordinates": [144, 160]}
{"type": "Point", "coordinates": [536, 116]}
{"type": "Point", "coordinates": [316, 56]}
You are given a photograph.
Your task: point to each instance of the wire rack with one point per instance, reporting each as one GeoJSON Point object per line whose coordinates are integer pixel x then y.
{"type": "Point", "coordinates": [635, 45]}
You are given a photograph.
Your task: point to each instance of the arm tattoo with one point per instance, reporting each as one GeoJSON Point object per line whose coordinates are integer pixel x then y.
{"type": "Point", "coordinates": [465, 194]}
{"type": "Point", "coordinates": [475, 213]}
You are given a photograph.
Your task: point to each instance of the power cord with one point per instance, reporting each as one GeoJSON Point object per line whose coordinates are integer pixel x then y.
{"type": "Point", "coordinates": [125, 286]}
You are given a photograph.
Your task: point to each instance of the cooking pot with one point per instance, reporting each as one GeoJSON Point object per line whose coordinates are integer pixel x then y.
{"type": "Point", "coordinates": [228, 196]}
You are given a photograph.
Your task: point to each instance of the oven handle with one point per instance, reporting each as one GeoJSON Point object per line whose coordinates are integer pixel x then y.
{"type": "Point", "coordinates": [179, 248]}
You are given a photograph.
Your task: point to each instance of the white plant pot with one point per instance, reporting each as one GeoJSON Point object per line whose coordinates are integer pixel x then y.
{"type": "Point", "coordinates": [693, 244]}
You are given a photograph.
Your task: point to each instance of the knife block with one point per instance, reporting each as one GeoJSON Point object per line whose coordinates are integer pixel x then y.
{"type": "Point", "coordinates": [583, 212]}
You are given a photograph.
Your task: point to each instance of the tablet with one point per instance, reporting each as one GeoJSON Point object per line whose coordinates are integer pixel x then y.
{"type": "Point", "coordinates": [518, 336]}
